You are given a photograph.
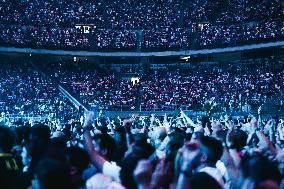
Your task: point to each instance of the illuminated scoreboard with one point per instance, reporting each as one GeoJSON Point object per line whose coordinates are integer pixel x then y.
{"type": "Point", "coordinates": [85, 28]}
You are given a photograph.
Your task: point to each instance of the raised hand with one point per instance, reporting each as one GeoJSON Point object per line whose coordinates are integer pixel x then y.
{"type": "Point", "coordinates": [89, 119]}
{"type": "Point", "coordinates": [254, 122]}
{"type": "Point", "coordinates": [152, 118]}
{"type": "Point", "coordinates": [230, 138]}
{"type": "Point", "coordinates": [127, 124]}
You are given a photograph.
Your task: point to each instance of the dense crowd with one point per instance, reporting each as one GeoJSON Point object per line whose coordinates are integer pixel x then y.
{"type": "Point", "coordinates": [129, 14]}
{"type": "Point", "coordinates": [24, 92]}
{"type": "Point", "coordinates": [251, 10]}
{"type": "Point", "coordinates": [234, 88]}
{"type": "Point", "coordinates": [144, 152]}
{"type": "Point", "coordinates": [66, 38]}
{"type": "Point", "coordinates": [46, 143]}
{"type": "Point", "coordinates": [240, 34]}
{"type": "Point", "coordinates": [243, 86]}
{"type": "Point", "coordinates": [50, 13]}
{"type": "Point", "coordinates": [228, 87]}
{"type": "Point", "coordinates": [67, 150]}
{"type": "Point", "coordinates": [93, 84]}
{"type": "Point", "coordinates": [125, 24]}
{"type": "Point", "coordinates": [175, 39]}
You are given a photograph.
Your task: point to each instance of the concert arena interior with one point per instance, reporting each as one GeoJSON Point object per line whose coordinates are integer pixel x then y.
{"type": "Point", "coordinates": [142, 94]}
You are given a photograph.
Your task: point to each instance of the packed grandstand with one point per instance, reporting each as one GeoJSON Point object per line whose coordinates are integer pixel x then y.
{"type": "Point", "coordinates": [197, 101]}
{"type": "Point", "coordinates": [139, 25]}
{"type": "Point", "coordinates": [247, 83]}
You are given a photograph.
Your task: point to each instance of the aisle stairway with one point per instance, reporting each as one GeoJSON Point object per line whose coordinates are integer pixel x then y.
{"type": "Point", "coordinates": [139, 40]}
{"type": "Point", "coordinates": [74, 99]}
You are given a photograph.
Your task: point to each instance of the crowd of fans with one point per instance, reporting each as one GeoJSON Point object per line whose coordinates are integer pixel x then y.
{"type": "Point", "coordinates": [173, 151]}
{"type": "Point", "coordinates": [125, 24]}
{"type": "Point", "coordinates": [66, 150]}
{"type": "Point", "coordinates": [144, 152]}
{"type": "Point", "coordinates": [93, 84]}
{"type": "Point", "coordinates": [236, 11]}
{"type": "Point", "coordinates": [24, 92]}
{"type": "Point", "coordinates": [66, 38]}
{"type": "Point", "coordinates": [229, 87]}
{"type": "Point", "coordinates": [175, 39]}
{"type": "Point", "coordinates": [244, 85]}
{"type": "Point", "coordinates": [240, 34]}
{"type": "Point", "coordinates": [115, 39]}
{"type": "Point", "coordinates": [50, 13]}
{"type": "Point", "coordinates": [129, 14]}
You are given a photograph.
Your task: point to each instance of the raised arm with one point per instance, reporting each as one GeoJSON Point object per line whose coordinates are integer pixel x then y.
{"type": "Point", "coordinates": [97, 159]}
{"type": "Point", "coordinates": [190, 153]}
{"type": "Point", "coordinates": [127, 126]}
